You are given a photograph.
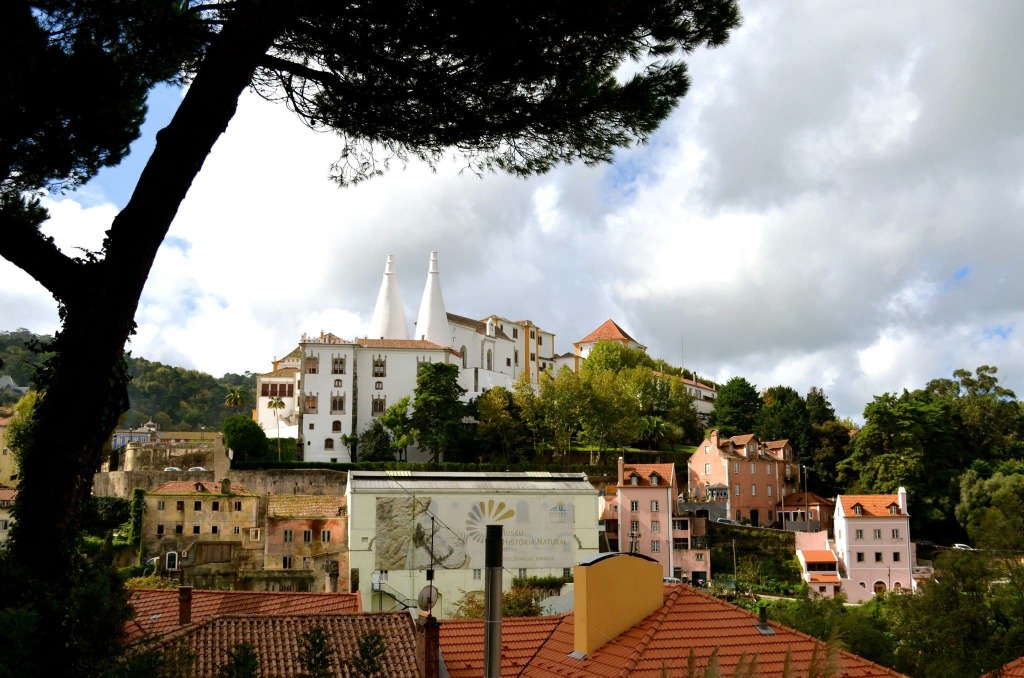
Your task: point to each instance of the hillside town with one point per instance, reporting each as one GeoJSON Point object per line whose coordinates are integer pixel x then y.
{"type": "Point", "coordinates": [237, 549]}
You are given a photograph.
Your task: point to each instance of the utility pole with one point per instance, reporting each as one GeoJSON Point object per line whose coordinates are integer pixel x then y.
{"type": "Point", "coordinates": [735, 581]}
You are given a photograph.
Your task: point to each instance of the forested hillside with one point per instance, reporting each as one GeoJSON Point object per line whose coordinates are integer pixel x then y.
{"type": "Point", "coordinates": [176, 398]}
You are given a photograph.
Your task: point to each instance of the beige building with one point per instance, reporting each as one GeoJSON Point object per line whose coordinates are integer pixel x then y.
{"type": "Point", "coordinates": [206, 533]}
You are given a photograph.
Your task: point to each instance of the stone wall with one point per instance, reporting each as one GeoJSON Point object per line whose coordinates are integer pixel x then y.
{"type": "Point", "coordinates": [287, 481]}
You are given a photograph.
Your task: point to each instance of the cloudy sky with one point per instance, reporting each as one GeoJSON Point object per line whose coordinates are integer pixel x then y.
{"type": "Point", "coordinates": [836, 203]}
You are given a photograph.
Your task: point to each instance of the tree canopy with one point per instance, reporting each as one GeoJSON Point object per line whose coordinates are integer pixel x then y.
{"type": "Point", "coordinates": [736, 408]}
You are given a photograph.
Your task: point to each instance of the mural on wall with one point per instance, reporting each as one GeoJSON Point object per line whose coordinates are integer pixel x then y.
{"type": "Point", "coordinates": [538, 531]}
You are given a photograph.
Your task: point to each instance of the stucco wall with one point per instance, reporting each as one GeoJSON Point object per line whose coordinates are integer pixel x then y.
{"type": "Point", "coordinates": [319, 481]}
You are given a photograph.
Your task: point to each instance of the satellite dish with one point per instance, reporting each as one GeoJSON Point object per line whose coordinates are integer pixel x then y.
{"type": "Point", "coordinates": [427, 598]}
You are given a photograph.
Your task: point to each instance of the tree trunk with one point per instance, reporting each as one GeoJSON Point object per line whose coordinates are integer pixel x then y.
{"type": "Point", "coordinates": [83, 387]}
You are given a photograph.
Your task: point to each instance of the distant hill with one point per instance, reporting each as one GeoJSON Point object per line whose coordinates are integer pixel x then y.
{"type": "Point", "coordinates": [176, 398]}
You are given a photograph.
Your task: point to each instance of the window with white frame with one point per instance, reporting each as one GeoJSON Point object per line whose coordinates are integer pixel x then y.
{"type": "Point", "coordinates": [735, 467]}
{"type": "Point", "coordinates": [380, 366]}
{"type": "Point", "coordinates": [895, 533]}
{"type": "Point", "coordinates": [769, 490]}
{"type": "Point", "coordinates": [707, 468]}
{"type": "Point", "coordinates": [655, 526]}
{"type": "Point", "coordinates": [477, 574]}
{"type": "Point", "coordinates": [753, 467]}
{"type": "Point", "coordinates": [698, 556]}
{"type": "Point", "coordinates": [287, 536]}
{"type": "Point", "coordinates": [634, 527]}
{"type": "Point", "coordinates": [237, 529]}
{"type": "Point", "coordinates": [325, 536]}
{"type": "Point", "coordinates": [767, 468]}
{"type": "Point", "coordinates": [736, 490]}
{"type": "Point", "coordinates": [753, 490]}
{"type": "Point", "coordinates": [307, 536]}
{"type": "Point", "coordinates": [634, 505]}
{"type": "Point", "coordinates": [877, 534]}
{"type": "Point", "coordinates": [312, 364]}
{"type": "Point", "coordinates": [160, 505]}
{"type": "Point", "coordinates": [858, 534]}
{"type": "Point", "coordinates": [655, 506]}
{"type": "Point", "coordinates": [522, 572]}
{"type": "Point", "coordinates": [655, 546]}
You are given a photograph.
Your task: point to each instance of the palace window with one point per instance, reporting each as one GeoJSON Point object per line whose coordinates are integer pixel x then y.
{"type": "Point", "coordinates": [377, 406]}
{"type": "Point", "coordinates": [338, 404]}
{"type": "Point", "coordinates": [336, 426]}
{"type": "Point", "coordinates": [338, 365]}
{"type": "Point", "coordinates": [338, 383]}
{"type": "Point", "coordinates": [378, 385]}
{"type": "Point", "coordinates": [310, 404]}
{"type": "Point", "coordinates": [328, 443]}
{"type": "Point", "coordinates": [380, 367]}
{"type": "Point", "coordinates": [312, 364]}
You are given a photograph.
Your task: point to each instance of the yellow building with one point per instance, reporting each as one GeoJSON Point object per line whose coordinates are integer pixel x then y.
{"type": "Point", "coordinates": [205, 533]}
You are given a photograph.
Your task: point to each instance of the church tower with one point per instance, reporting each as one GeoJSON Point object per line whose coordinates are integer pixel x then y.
{"type": "Point", "coordinates": [388, 320]}
{"type": "Point", "coordinates": [432, 322]}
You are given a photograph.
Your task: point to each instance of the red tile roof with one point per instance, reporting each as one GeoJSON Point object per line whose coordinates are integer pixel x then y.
{"type": "Point", "coordinates": [156, 610]}
{"type": "Point", "coordinates": [189, 487]}
{"type": "Point", "coordinates": [400, 343]}
{"type": "Point", "coordinates": [277, 641]}
{"type": "Point", "coordinates": [281, 373]}
{"type": "Point", "coordinates": [688, 621]}
{"type": "Point", "coordinates": [814, 556]}
{"type": "Point", "coordinates": [796, 500]}
{"type": "Point", "coordinates": [8, 494]}
{"type": "Point", "coordinates": [608, 331]}
{"type": "Point", "coordinates": [1014, 669]}
{"type": "Point", "coordinates": [479, 326]}
{"type": "Point", "coordinates": [666, 472]}
{"type": "Point", "coordinates": [873, 505]}
{"type": "Point", "coordinates": [306, 506]}
{"type": "Point", "coordinates": [823, 578]}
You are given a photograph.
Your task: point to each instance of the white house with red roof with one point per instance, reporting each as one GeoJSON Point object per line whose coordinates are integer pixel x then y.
{"type": "Point", "coordinates": [872, 537]}
{"type": "Point", "coordinates": [608, 331]}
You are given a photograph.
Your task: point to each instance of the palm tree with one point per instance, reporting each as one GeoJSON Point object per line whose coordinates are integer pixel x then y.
{"type": "Point", "coordinates": [277, 405]}
{"type": "Point", "coordinates": [236, 398]}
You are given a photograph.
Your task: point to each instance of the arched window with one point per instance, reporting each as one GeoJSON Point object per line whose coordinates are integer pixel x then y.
{"type": "Point", "coordinates": [879, 587]}
{"type": "Point", "coordinates": [336, 426]}
{"type": "Point", "coordinates": [329, 444]}
{"type": "Point", "coordinates": [490, 362]}
{"type": "Point", "coordinates": [465, 357]}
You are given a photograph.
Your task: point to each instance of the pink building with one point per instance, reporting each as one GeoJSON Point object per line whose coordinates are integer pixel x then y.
{"type": "Point", "coordinates": [645, 520]}
{"type": "Point", "coordinates": [749, 476]}
{"type": "Point", "coordinates": [873, 543]}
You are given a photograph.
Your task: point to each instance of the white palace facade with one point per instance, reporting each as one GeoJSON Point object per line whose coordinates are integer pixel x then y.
{"type": "Point", "coordinates": [332, 388]}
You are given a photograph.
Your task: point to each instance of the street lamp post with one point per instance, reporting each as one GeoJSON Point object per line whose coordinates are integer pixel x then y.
{"type": "Point", "coordinates": [807, 503]}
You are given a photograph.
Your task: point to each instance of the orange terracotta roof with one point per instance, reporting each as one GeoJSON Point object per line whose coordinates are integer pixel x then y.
{"type": "Point", "coordinates": [8, 494]}
{"type": "Point", "coordinates": [776, 444]}
{"type": "Point", "coordinates": [156, 610]}
{"type": "Point", "coordinates": [283, 372]}
{"type": "Point", "coordinates": [742, 440]}
{"type": "Point", "coordinates": [666, 472]}
{"type": "Point", "coordinates": [189, 487]}
{"type": "Point", "coordinates": [873, 505]}
{"type": "Point", "coordinates": [823, 578]}
{"type": "Point", "coordinates": [1014, 669]}
{"type": "Point", "coordinates": [608, 331]}
{"type": "Point", "coordinates": [661, 643]}
{"type": "Point", "coordinates": [400, 343]}
{"type": "Point", "coordinates": [796, 500]}
{"type": "Point", "coordinates": [306, 506]}
{"type": "Point", "coordinates": [819, 556]}
{"type": "Point", "coordinates": [462, 644]}
{"type": "Point", "coordinates": [277, 640]}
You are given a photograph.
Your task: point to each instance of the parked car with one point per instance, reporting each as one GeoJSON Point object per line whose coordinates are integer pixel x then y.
{"type": "Point", "coordinates": [172, 469]}
{"type": "Point", "coordinates": [729, 521]}
{"type": "Point", "coordinates": [963, 547]}
{"type": "Point", "coordinates": [672, 580]}
{"type": "Point", "coordinates": [198, 468]}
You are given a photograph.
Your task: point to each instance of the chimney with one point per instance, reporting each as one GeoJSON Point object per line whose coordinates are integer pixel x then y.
{"type": "Point", "coordinates": [428, 646]}
{"type": "Point", "coordinates": [225, 486]}
{"type": "Point", "coordinates": [762, 621]}
{"type": "Point", "coordinates": [902, 494]}
{"type": "Point", "coordinates": [493, 564]}
{"type": "Point", "coordinates": [621, 463]}
{"type": "Point", "coordinates": [599, 588]}
{"type": "Point", "coordinates": [184, 605]}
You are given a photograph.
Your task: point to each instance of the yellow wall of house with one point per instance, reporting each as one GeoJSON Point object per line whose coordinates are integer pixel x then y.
{"type": "Point", "coordinates": [629, 585]}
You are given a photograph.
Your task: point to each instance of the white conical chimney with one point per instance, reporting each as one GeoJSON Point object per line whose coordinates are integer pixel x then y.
{"type": "Point", "coordinates": [432, 322]}
{"type": "Point", "coordinates": [389, 315]}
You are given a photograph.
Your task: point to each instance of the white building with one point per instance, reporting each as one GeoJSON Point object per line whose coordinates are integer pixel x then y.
{"type": "Point", "coordinates": [333, 387]}
{"type": "Point", "coordinates": [873, 542]}
{"type": "Point", "coordinates": [403, 523]}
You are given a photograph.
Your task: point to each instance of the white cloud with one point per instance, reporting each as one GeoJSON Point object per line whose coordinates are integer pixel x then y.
{"type": "Point", "coordinates": [836, 203]}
